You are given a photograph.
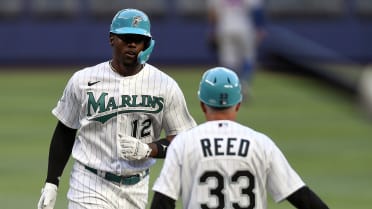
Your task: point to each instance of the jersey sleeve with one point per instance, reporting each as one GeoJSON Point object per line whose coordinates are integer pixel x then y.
{"type": "Point", "coordinates": [282, 178]}
{"type": "Point", "coordinates": [169, 180]}
{"type": "Point", "coordinates": [176, 116]}
{"type": "Point", "coordinates": [68, 108]}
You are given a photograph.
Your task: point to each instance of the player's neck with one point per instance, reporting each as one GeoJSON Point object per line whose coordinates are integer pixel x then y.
{"type": "Point", "coordinates": [125, 70]}
{"type": "Point", "coordinates": [221, 117]}
{"type": "Point", "coordinates": [220, 114]}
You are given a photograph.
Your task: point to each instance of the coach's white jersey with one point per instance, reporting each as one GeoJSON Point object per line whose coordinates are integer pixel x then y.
{"type": "Point", "coordinates": [222, 164]}
{"type": "Point", "coordinates": [100, 103]}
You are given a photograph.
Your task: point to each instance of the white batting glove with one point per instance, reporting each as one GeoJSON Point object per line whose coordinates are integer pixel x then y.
{"type": "Point", "coordinates": [131, 148]}
{"type": "Point", "coordinates": [48, 196]}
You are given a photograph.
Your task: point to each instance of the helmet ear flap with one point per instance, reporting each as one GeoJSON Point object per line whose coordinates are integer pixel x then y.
{"type": "Point", "coordinates": [143, 56]}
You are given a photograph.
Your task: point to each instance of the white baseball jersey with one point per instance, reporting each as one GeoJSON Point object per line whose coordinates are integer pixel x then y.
{"type": "Point", "coordinates": [235, 30]}
{"type": "Point", "coordinates": [222, 164]}
{"type": "Point", "coordinates": [100, 103]}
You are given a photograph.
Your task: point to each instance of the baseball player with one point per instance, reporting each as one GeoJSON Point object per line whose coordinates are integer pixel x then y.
{"type": "Point", "coordinates": [237, 27]}
{"type": "Point", "coordinates": [110, 119]}
{"type": "Point", "coordinates": [223, 164]}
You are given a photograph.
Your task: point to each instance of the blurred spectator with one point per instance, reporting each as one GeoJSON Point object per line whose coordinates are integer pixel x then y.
{"type": "Point", "coordinates": [365, 90]}
{"type": "Point", "coordinates": [236, 27]}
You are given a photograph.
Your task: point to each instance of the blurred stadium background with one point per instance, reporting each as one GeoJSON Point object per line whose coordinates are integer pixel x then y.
{"type": "Point", "coordinates": [306, 94]}
{"type": "Point", "coordinates": [75, 31]}
{"type": "Point", "coordinates": [313, 35]}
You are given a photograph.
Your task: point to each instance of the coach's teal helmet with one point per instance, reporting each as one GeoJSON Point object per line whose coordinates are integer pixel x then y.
{"type": "Point", "coordinates": [134, 21]}
{"type": "Point", "coordinates": [220, 87]}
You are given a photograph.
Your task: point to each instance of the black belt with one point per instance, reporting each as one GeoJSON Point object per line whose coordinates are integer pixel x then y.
{"type": "Point", "coordinates": [126, 180]}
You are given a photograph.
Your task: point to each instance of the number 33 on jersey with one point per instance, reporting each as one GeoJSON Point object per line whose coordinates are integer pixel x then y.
{"type": "Point", "coordinates": [226, 167]}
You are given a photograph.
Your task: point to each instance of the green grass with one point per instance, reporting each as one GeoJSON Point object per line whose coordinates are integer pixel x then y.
{"type": "Point", "coordinates": [321, 131]}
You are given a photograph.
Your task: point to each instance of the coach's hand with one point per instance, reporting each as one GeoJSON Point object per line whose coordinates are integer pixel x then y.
{"type": "Point", "coordinates": [48, 196]}
{"type": "Point", "coordinates": [131, 148]}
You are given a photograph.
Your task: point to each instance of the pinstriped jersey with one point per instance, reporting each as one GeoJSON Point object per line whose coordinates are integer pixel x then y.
{"type": "Point", "coordinates": [222, 164]}
{"type": "Point", "coordinates": [100, 103]}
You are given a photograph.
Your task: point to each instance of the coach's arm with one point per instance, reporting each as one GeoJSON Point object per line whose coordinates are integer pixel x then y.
{"type": "Point", "coordinates": [305, 198]}
{"type": "Point", "coordinates": [161, 201]}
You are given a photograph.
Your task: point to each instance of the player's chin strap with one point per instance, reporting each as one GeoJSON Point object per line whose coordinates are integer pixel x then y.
{"type": "Point", "coordinates": [143, 56]}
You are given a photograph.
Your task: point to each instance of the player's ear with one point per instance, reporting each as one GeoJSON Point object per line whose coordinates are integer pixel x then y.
{"type": "Point", "coordinates": [111, 38]}
{"type": "Point", "coordinates": [237, 107]}
{"type": "Point", "coordinates": [202, 105]}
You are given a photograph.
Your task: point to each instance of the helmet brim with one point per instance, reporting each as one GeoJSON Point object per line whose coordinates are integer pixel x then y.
{"type": "Point", "coordinates": [127, 30]}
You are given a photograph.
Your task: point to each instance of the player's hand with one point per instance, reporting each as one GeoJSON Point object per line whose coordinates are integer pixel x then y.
{"type": "Point", "coordinates": [48, 196]}
{"type": "Point", "coordinates": [131, 148]}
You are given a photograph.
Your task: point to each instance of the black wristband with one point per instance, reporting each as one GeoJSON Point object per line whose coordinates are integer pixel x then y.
{"type": "Point", "coordinates": [162, 146]}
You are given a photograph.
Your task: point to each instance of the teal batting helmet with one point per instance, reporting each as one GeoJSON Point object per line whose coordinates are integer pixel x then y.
{"type": "Point", "coordinates": [133, 21]}
{"type": "Point", "coordinates": [220, 87]}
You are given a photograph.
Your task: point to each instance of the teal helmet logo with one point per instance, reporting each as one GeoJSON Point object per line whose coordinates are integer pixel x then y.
{"type": "Point", "coordinates": [136, 21]}
{"type": "Point", "coordinates": [220, 87]}
{"type": "Point", "coordinates": [133, 21]}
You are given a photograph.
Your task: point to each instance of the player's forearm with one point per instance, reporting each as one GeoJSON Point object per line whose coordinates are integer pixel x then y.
{"type": "Point", "coordinates": [304, 198]}
{"type": "Point", "coordinates": [159, 148]}
{"type": "Point", "coordinates": [59, 152]}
